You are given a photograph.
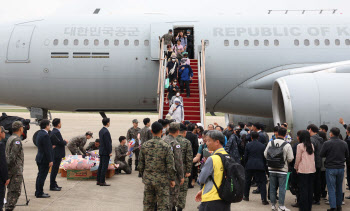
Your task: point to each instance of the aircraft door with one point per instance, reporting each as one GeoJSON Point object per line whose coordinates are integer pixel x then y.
{"type": "Point", "coordinates": [19, 44]}
{"type": "Point", "coordinates": [158, 30]}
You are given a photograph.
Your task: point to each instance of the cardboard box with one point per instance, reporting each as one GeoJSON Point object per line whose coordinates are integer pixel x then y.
{"type": "Point", "coordinates": [84, 174]}
{"type": "Point", "coordinates": [63, 173]}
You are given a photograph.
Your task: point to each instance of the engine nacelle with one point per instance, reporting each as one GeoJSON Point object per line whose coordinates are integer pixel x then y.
{"type": "Point", "coordinates": [314, 98]}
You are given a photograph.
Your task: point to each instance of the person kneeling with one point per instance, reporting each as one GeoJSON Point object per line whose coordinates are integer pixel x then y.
{"type": "Point", "coordinates": [121, 152]}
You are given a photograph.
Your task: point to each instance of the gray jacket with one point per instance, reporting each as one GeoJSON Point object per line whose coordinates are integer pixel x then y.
{"type": "Point", "coordinates": [317, 141]}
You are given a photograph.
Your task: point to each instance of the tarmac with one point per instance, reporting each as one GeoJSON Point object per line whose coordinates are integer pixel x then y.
{"type": "Point", "coordinates": [126, 191]}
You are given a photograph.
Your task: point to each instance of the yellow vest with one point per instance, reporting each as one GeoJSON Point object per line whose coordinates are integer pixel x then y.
{"type": "Point", "coordinates": [218, 167]}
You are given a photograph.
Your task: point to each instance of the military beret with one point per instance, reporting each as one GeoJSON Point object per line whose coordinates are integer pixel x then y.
{"type": "Point", "coordinates": [16, 125]}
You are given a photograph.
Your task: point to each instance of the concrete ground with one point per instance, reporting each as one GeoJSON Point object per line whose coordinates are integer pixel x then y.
{"type": "Point", "coordinates": [125, 192]}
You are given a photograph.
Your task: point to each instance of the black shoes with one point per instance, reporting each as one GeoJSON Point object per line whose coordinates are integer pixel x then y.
{"type": "Point", "coordinates": [295, 204]}
{"type": "Point", "coordinates": [44, 195]}
{"type": "Point", "coordinates": [104, 184]}
{"type": "Point", "coordinates": [257, 191]}
{"type": "Point", "coordinates": [316, 202]}
{"type": "Point", "coordinates": [97, 183]}
{"type": "Point", "coordinates": [265, 202]}
{"type": "Point", "coordinates": [140, 175]}
{"type": "Point", "coordinates": [55, 189]}
{"type": "Point", "coordinates": [245, 198]}
{"type": "Point", "coordinates": [348, 197]}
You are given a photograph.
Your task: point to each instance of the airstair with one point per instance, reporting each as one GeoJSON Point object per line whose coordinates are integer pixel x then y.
{"type": "Point", "coordinates": [195, 105]}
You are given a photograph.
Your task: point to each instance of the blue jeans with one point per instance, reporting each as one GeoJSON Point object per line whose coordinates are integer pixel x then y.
{"type": "Point", "coordinates": [282, 188]}
{"type": "Point", "coordinates": [334, 178]}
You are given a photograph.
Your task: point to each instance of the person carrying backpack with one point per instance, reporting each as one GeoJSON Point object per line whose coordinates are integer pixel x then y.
{"type": "Point", "coordinates": [218, 192]}
{"type": "Point", "coordinates": [278, 154]}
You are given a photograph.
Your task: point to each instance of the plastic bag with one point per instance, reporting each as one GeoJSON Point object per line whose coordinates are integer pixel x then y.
{"type": "Point", "coordinates": [166, 85]}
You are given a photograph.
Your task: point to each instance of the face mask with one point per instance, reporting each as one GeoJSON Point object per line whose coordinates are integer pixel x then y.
{"type": "Point", "coordinates": [188, 34]}
{"type": "Point", "coordinates": [174, 60]}
{"type": "Point", "coordinates": [174, 83]}
{"type": "Point", "coordinates": [178, 94]}
{"type": "Point", "coordinates": [164, 130]}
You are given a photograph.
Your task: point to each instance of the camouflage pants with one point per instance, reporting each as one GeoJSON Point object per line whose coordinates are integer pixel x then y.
{"type": "Point", "coordinates": [13, 191]}
{"type": "Point", "coordinates": [174, 194]}
{"type": "Point", "coordinates": [74, 150]}
{"type": "Point", "coordinates": [156, 194]}
{"type": "Point", "coordinates": [124, 166]}
{"type": "Point", "coordinates": [183, 194]}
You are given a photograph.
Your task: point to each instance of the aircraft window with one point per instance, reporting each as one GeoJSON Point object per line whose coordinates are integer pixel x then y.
{"type": "Point", "coordinates": [326, 42]}
{"type": "Point", "coordinates": [206, 42]}
{"type": "Point", "coordinates": [106, 42]}
{"type": "Point", "coordinates": [266, 42]}
{"type": "Point", "coordinates": [246, 42]}
{"type": "Point", "coordinates": [317, 42]}
{"type": "Point", "coordinates": [116, 42]}
{"type": "Point", "coordinates": [347, 42]}
{"type": "Point", "coordinates": [96, 42]}
{"type": "Point", "coordinates": [126, 42]}
{"type": "Point", "coordinates": [146, 42]}
{"type": "Point", "coordinates": [86, 42]}
{"type": "Point", "coordinates": [55, 42]}
{"type": "Point", "coordinates": [76, 42]}
{"type": "Point", "coordinates": [136, 42]}
{"type": "Point", "coordinates": [306, 42]}
{"type": "Point", "coordinates": [65, 42]}
{"type": "Point", "coordinates": [236, 43]}
{"type": "Point", "coordinates": [337, 42]}
{"type": "Point", "coordinates": [296, 42]}
{"type": "Point", "coordinates": [276, 42]}
{"type": "Point", "coordinates": [226, 43]}
{"type": "Point", "coordinates": [256, 42]}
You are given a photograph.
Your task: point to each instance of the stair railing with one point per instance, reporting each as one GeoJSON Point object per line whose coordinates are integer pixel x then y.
{"type": "Point", "coordinates": [202, 83]}
{"type": "Point", "coordinates": [161, 79]}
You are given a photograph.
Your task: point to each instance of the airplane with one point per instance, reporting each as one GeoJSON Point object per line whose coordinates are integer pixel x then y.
{"type": "Point", "coordinates": [278, 67]}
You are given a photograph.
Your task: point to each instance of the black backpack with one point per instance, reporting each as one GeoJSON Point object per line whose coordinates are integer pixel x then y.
{"type": "Point", "coordinates": [232, 185]}
{"type": "Point", "coordinates": [275, 158]}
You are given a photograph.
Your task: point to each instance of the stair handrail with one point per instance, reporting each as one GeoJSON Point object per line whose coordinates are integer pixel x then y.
{"type": "Point", "coordinates": [161, 79]}
{"type": "Point", "coordinates": [202, 85]}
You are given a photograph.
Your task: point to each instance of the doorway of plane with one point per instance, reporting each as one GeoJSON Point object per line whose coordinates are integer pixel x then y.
{"type": "Point", "coordinates": [189, 39]}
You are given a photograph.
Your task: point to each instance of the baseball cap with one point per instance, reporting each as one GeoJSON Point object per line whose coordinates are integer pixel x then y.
{"type": "Point", "coordinates": [16, 125]}
{"type": "Point", "coordinates": [135, 121]}
{"type": "Point", "coordinates": [170, 30]}
{"type": "Point", "coordinates": [3, 129]}
{"type": "Point", "coordinates": [89, 133]}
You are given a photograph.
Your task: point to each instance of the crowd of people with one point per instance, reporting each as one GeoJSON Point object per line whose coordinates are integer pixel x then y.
{"type": "Point", "coordinates": [172, 157]}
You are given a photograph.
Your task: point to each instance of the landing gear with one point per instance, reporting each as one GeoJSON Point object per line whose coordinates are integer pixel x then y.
{"type": "Point", "coordinates": [39, 114]}
{"type": "Point", "coordinates": [103, 114]}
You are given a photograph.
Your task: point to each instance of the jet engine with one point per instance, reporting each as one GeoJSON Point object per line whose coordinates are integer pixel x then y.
{"type": "Point", "coordinates": [311, 98]}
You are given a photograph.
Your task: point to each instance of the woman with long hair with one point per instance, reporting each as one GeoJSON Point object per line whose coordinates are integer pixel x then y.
{"type": "Point", "coordinates": [305, 167]}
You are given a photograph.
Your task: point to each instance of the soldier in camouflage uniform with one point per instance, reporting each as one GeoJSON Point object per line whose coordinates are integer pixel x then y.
{"type": "Point", "coordinates": [134, 133]}
{"type": "Point", "coordinates": [146, 133]}
{"type": "Point", "coordinates": [121, 152]}
{"type": "Point", "coordinates": [169, 38]}
{"type": "Point", "coordinates": [76, 144]}
{"type": "Point", "coordinates": [157, 168]}
{"type": "Point", "coordinates": [15, 160]}
{"type": "Point", "coordinates": [187, 158]}
{"type": "Point", "coordinates": [176, 149]}
{"type": "Point", "coordinates": [93, 146]}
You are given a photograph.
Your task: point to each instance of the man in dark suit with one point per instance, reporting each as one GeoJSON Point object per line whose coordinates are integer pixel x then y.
{"type": "Point", "coordinates": [255, 166]}
{"type": "Point", "coordinates": [194, 142]}
{"type": "Point", "coordinates": [43, 158]}
{"type": "Point", "coordinates": [4, 179]}
{"type": "Point", "coordinates": [105, 152]}
{"type": "Point", "coordinates": [59, 152]}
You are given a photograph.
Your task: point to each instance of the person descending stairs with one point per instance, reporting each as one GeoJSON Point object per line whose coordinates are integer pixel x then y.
{"type": "Point", "coordinates": [191, 104]}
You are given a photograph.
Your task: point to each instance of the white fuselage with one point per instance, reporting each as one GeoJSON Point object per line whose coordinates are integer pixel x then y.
{"type": "Point", "coordinates": [100, 63]}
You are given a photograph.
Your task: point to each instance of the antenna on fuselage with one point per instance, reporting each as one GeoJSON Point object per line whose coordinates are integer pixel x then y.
{"type": "Point", "coordinates": [97, 10]}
